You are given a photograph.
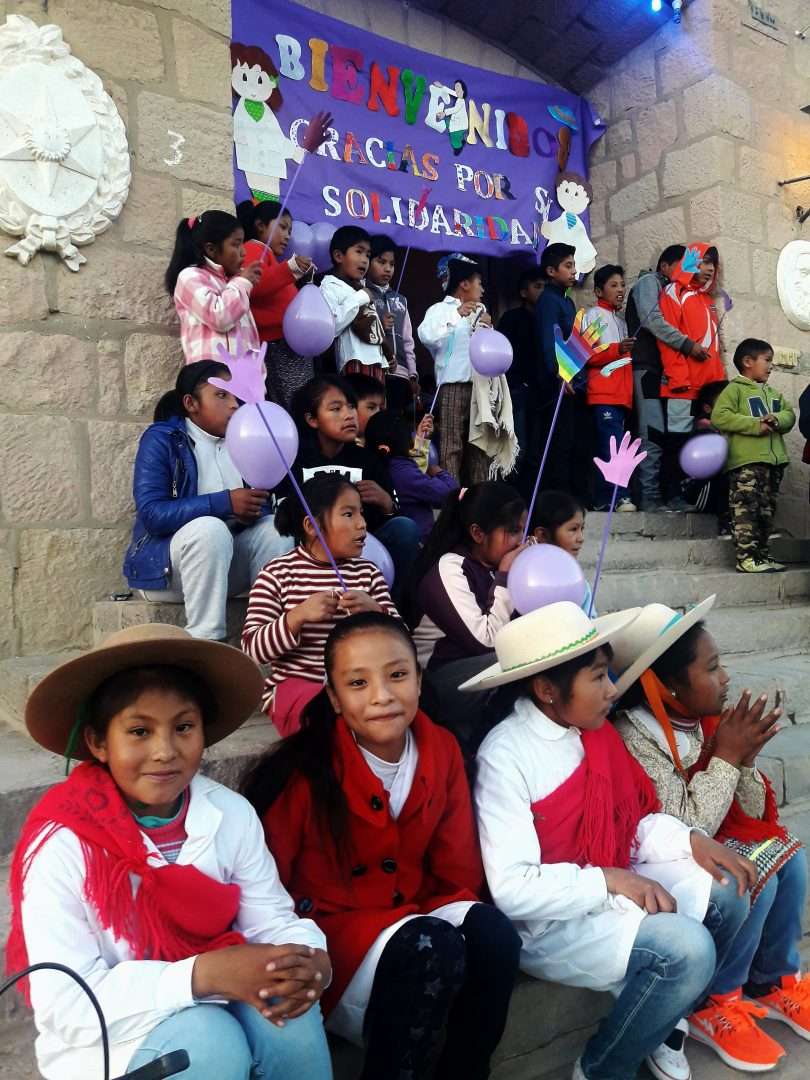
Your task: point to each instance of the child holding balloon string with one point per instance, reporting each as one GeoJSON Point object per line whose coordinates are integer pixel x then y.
{"type": "Point", "coordinates": [273, 293]}
{"type": "Point", "coordinates": [297, 599]}
{"type": "Point", "coordinates": [559, 519]}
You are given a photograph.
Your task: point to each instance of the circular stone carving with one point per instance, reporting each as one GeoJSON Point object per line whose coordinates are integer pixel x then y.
{"type": "Point", "coordinates": [793, 282]}
{"type": "Point", "coordinates": [64, 160]}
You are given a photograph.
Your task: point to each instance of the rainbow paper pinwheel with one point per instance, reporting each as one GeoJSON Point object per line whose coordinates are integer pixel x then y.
{"type": "Point", "coordinates": [575, 352]}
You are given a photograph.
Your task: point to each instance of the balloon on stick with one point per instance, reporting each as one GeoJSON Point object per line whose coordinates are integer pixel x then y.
{"type": "Point", "coordinates": [379, 554]}
{"type": "Point", "coordinates": [302, 241]}
{"type": "Point", "coordinates": [322, 233]}
{"type": "Point", "coordinates": [704, 455]}
{"type": "Point", "coordinates": [544, 574]}
{"type": "Point", "coordinates": [308, 324]}
{"type": "Point", "coordinates": [572, 354]}
{"type": "Point", "coordinates": [490, 352]}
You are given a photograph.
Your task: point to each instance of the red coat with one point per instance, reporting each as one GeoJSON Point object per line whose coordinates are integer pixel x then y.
{"type": "Point", "coordinates": [690, 309]}
{"type": "Point", "coordinates": [426, 858]}
{"type": "Point", "coordinates": [273, 292]}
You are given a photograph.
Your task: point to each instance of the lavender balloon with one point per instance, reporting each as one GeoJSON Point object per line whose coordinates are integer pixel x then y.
{"type": "Point", "coordinates": [302, 242]}
{"type": "Point", "coordinates": [251, 447]}
{"type": "Point", "coordinates": [490, 352]}
{"type": "Point", "coordinates": [308, 324]}
{"type": "Point", "coordinates": [379, 554]}
{"type": "Point", "coordinates": [544, 574]}
{"type": "Point", "coordinates": [322, 233]}
{"type": "Point", "coordinates": [704, 456]}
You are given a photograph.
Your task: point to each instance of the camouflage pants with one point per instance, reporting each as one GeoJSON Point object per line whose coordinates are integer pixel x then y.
{"type": "Point", "coordinates": [753, 490]}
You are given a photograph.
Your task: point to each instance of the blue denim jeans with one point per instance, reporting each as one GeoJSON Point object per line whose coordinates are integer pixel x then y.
{"type": "Point", "coordinates": [767, 945]}
{"type": "Point", "coordinates": [671, 964]}
{"type": "Point", "coordinates": [400, 535]}
{"type": "Point", "coordinates": [235, 1042]}
{"type": "Point", "coordinates": [608, 420]}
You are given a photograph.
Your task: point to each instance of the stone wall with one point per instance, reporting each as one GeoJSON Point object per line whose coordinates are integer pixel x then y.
{"type": "Point", "coordinates": [704, 118]}
{"type": "Point", "coordinates": [85, 356]}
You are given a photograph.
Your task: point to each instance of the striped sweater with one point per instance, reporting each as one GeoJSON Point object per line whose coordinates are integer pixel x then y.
{"type": "Point", "coordinates": [283, 584]}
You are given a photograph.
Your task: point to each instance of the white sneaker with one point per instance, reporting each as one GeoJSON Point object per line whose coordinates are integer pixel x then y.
{"type": "Point", "coordinates": [667, 1063]}
{"type": "Point", "coordinates": [626, 506]}
{"type": "Point", "coordinates": [578, 1074]}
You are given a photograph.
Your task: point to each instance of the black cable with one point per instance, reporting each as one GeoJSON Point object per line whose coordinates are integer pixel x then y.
{"type": "Point", "coordinates": [47, 966]}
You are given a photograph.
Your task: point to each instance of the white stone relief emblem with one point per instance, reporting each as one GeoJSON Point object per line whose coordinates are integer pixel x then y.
{"type": "Point", "coordinates": [793, 282]}
{"type": "Point", "coordinates": [64, 160]}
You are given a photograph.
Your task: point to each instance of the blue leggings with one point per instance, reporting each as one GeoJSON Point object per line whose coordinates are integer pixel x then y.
{"type": "Point", "coordinates": [235, 1042]}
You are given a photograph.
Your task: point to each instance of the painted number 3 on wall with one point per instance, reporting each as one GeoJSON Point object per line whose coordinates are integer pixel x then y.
{"type": "Point", "coordinates": [176, 141]}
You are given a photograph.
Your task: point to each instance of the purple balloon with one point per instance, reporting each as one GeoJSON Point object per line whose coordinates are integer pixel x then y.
{"type": "Point", "coordinates": [251, 446]}
{"type": "Point", "coordinates": [379, 554]}
{"type": "Point", "coordinates": [302, 242]}
{"type": "Point", "coordinates": [490, 352]}
{"type": "Point", "coordinates": [544, 574]}
{"type": "Point", "coordinates": [308, 325]}
{"type": "Point", "coordinates": [433, 454]}
{"type": "Point", "coordinates": [704, 456]}
{"type": "Point", "coordinates": [322, 233]}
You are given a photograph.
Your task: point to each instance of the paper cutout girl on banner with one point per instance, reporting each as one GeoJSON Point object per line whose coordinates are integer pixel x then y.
{"type": "Point", "coordinates": [454, 114]}
{"type": "Point", "coordinates": [574, 194]}
{"type": "Point", "coordinates": [262, 148]}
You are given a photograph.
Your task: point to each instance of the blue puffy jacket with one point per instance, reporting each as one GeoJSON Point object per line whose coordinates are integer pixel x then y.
{"type": "Point", "coordinates": [166, 499]}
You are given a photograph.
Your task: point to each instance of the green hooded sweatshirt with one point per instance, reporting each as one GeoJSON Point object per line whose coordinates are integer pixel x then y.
{"type": "Point", "coordinates": [738, 413]}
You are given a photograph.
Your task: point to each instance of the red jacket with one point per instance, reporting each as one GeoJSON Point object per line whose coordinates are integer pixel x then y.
{"type": "Point", "coordinates": [690, 309]}
{"type": "Point", "coordinates": [426, 858]}
{"type": "Point", "coordinates": [616, 388]}
{"type": "Point", "coordinates": [273, 292]}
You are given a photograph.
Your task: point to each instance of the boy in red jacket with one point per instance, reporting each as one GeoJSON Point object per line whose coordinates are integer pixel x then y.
{"type": "Point", "coordinates": [610, 375]}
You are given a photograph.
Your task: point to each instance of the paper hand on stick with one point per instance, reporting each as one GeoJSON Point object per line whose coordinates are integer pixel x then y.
{"type": "Point", "coordinates": [622, 462]}
{"type": "Point", "coordinates": [247, 373]}
{"type": "Point", "coordinates": [614, 365]}
{"type": "Point", "coordinates": [690, 261]}
{"type": "Point", "coordinates": [317, 131]}
{"type": "Point", "coordinates": [575, 352]}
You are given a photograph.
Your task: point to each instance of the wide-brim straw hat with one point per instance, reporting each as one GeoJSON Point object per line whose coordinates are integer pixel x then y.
{"type": "Point", "coordinates": [234, 680]}
{"type": "Point", "coordinates": [657, 628]}
{"type": "Point", "coordinates": [544, 639]}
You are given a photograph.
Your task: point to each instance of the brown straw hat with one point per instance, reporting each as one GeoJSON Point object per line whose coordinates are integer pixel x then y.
{"type": "Point", "coordinates": [232, 677]}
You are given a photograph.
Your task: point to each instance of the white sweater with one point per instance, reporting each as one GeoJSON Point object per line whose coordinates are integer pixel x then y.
{"type": "Point", "coordinates": [225, 840]}
{"type": "Point", "coordinates": [345, 304]}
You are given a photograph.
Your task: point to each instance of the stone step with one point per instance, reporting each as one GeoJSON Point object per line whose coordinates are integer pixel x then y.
{"type": "Point", "coordinates": [753, 628]}
{"type": "Point", "coordinates": [682, 587]}
{"type": "Point", "coordinates": [642, 552]}
{"type": "Point", "coordinates": [653, 526]}
{"type": "Point", "coordinates": [109, 616]}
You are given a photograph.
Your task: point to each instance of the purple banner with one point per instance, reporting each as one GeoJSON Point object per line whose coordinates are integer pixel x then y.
{"type": "Point", "coordinates": [501, 161]}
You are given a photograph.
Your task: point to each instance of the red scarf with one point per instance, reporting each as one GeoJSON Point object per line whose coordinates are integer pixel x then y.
{"type": "Point", "coordinates": [176, 912]}
{"type": "Point", "coordinates": [736, 825]}
{"type": "Point", "coordinates": [592, 818]}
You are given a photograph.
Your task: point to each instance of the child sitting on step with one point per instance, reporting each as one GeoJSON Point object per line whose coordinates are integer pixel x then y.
{"type": "Point", "coordinates": [701, 757]}
{"type": "Point", "coordinates": [200, 535]}
{"type": "Point", "coordinates": [153, 882]}
{"type": "Point", "coordinates": [297, 598]}
{"type": "Point", "coordinates": [368, 812]}
{"type": "Point", "coordinates": [559, 519]}
{"type": "Point", "coordinates": [577, 854]}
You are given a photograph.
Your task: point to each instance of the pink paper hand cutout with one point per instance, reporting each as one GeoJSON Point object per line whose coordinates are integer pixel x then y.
{"type": "Point", "coordinates": [247, 372]}
{"type": "Point", "coordinates": [622, 463]}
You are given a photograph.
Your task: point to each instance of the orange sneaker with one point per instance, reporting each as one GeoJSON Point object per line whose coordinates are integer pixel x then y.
{"type": "Point", "coordinates": [727, 1024]}
{"type": "Point", "coordinates": [790, 1003]}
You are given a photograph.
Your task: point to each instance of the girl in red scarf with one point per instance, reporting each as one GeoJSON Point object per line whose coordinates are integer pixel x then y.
{"type": "Point", "coordinates": [367, 811]}
{"type": "Point", "coordinates": [701, 757]}
{"type": "Point", "coordinates": [153, 882]}
{"type": "Point", "coordinates": [577, 854]}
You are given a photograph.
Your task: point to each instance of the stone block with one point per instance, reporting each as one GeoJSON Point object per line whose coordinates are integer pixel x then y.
{"type": "Point", "coordinates": [39, 469]}
{"type": "Point", "coordinates": [635, 84]}
{"type": "Point", "coordinates": [8, 631]}
{"type": "Point", "coordinates": [759, 172]}
{"type": "Point", "coordinates": [644, 240]}
{"type": "Point", "coordinates": [425, 32]}
{"type": "Point", "coordinates": [619, 138]}
{"type": "Point", "coordinates": [699, 165]}
{"type": "Point", "coordinates": [783, 334]}
{"type": "Point", "coordinates": [389, 21]}
{"type": "Point", "coordinates": [635, 199]}
{"type": "Point", "coordinates": [629, 165]}
{"type": "Point", "coordinates": [197, 202]}
{"type": "Point", "coordinates": [112, 455]}
{"type": "Point", "coordinates": [461, 45]}
{"type": "Point", "coordinates": [151, 364]}
{"type": "Point", "coordinates": [116, 284]}
{"type": "Point", "coordinates": [604, 179]}
{"type": "Point", "coordinates": [22, 289]}
{"type": "Point", "coordinates": [746, 319]}
{"type": "Point", "coordinates": [495, 59]}
{"type": "Point", "coordinates": [717, 104]}
{"type": "Point", "coordinates": [724, 210]}
{"type": "Point", "coordinates": [599, 97]}
{"type": "Point", "coordinates": [782, 226]}
{"type": "Point", "coordinates": [185, 140]}
{"type": "Point", "coordinates": [150, 215]}
{"type": "Point", "coordinates": [61, 573]}
{"type": "Point", "coordinates": [735, 264]}
{"type": "Point", "coordinates": [215, 14]}
{"type": "Point", "coordinates": [110, 376]}
{"type": "Point", "coordinates": [203, 64]}
{"type": "Point", "coordinates": [608, 249]}
{"type": "Point", "coordinates": [598, 219]}
{"type": "Point", "coordinates": [121, 40]}
{"type": "Point", "coordinates": [46, 372]}
{"type": "Point", "coordinates": [656, 130]}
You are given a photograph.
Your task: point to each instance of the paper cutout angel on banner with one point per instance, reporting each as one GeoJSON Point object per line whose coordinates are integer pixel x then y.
{"type": "Point", "coordinates": [262, 148]}
{"type": "Point", "coordinates": [574, 195]}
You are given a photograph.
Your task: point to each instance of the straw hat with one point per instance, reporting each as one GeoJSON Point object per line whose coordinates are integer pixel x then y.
{"type": "Point", "coordinates": [650, 635]}
{"type": "Point", "coordinates": [544, 639]}
{"type": "Point", "coordinates": [231, 676]}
